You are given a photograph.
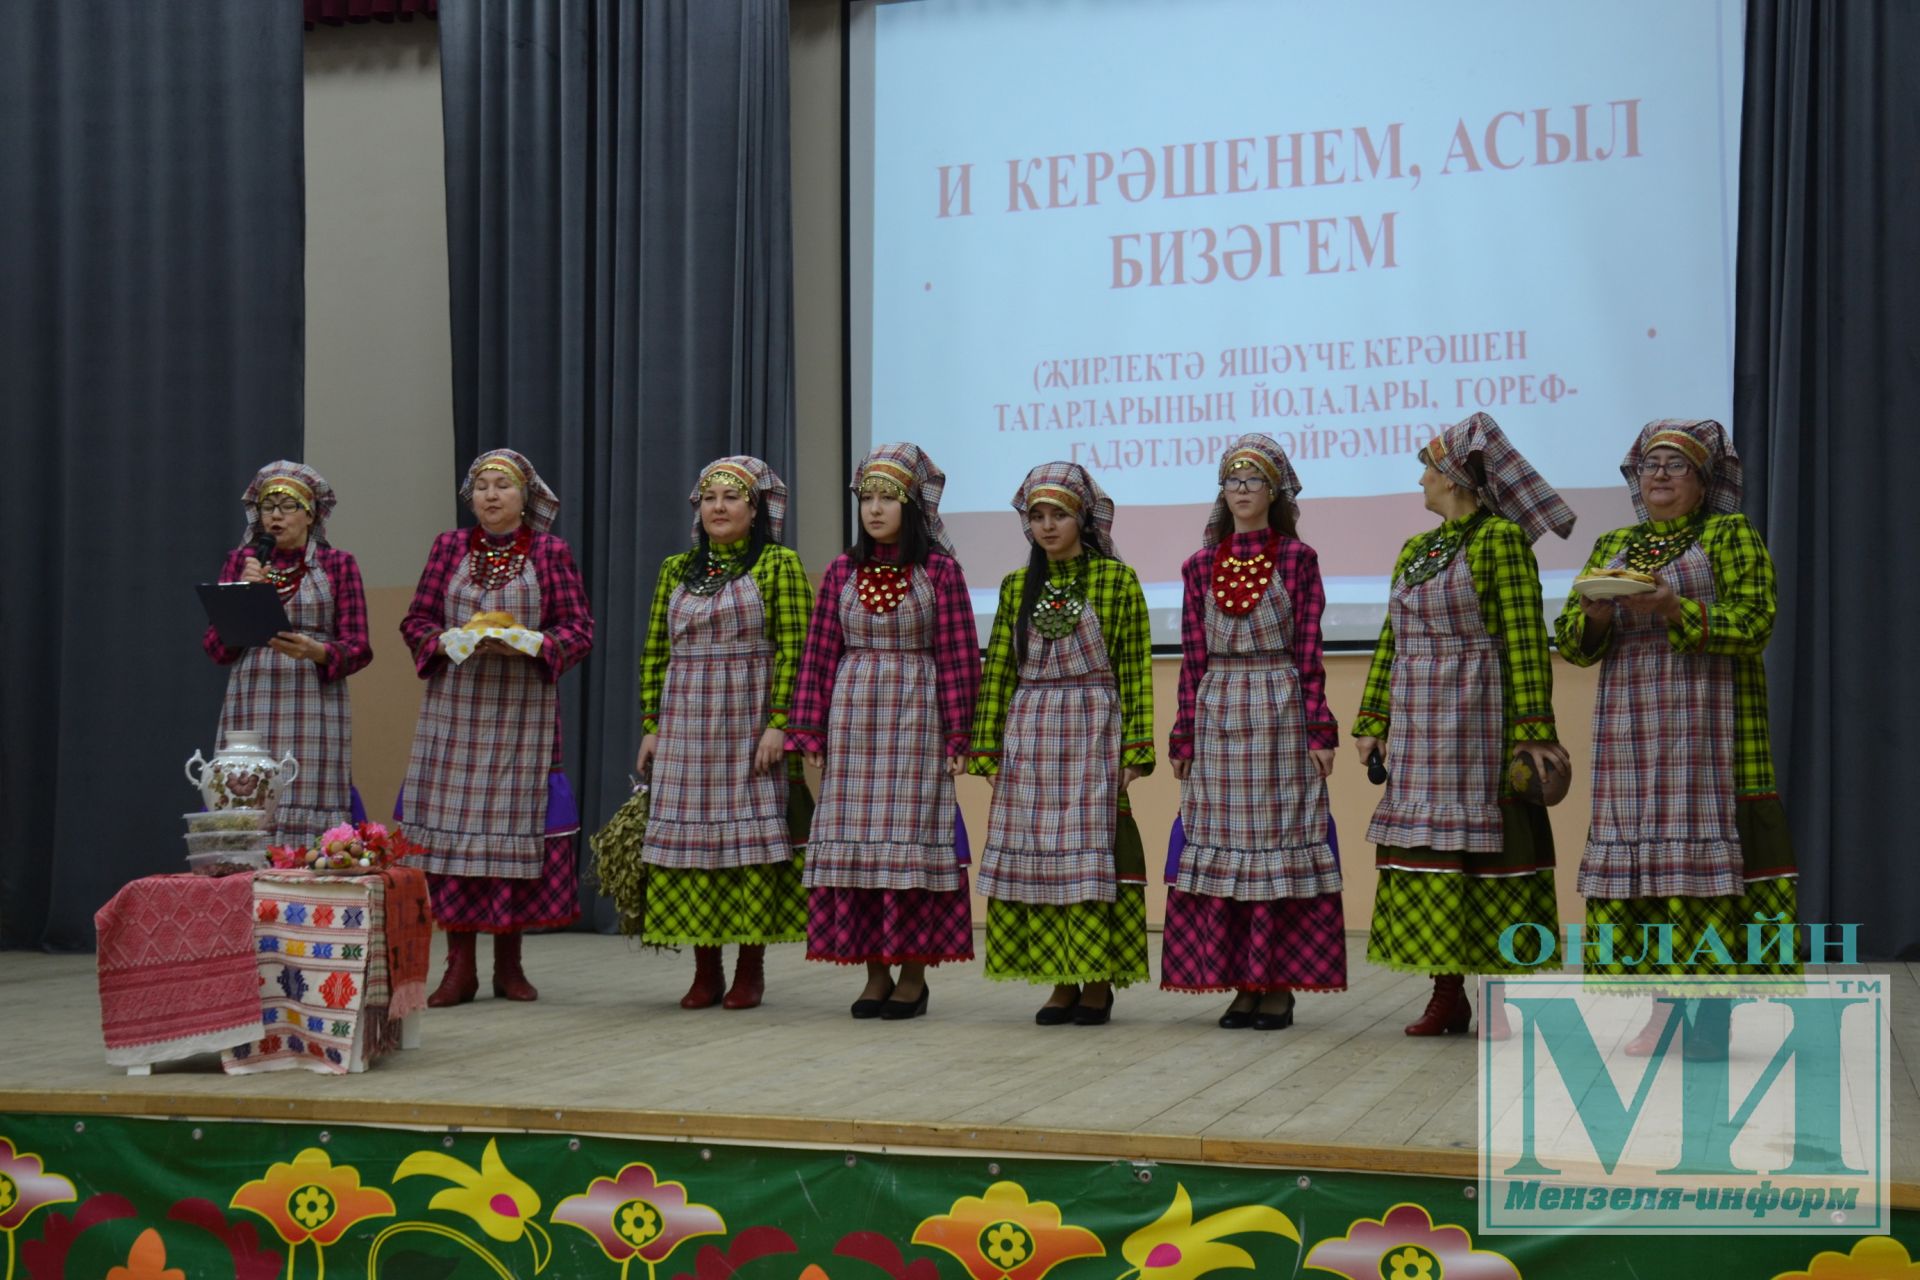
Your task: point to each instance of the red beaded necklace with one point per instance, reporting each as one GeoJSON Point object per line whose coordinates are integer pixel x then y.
{"type": "Point", "coordinates": [1238, 583]}
{"type": "Point", "coordinates": [492, 565]}
{"type": "Point", "coordinates": [285, 581]}
{"type": "Point", "coordinates": [881, 587]}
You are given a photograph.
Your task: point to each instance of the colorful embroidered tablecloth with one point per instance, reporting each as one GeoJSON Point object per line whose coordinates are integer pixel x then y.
{"type": "Point", "coordinates": [177, 970]}
{"type": "Point", "coordinates": [340, 961]}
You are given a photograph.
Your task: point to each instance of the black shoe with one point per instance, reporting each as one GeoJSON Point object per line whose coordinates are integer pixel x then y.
{"type": "Point", "coordinates": [870, 1008]}
{"type": "Point", "coordinates": [901, 1010]}
{"type": "Point", "coordinates": [1237, 1019]}
{"type": "Point", "coordinates": [1085, 1015]}
{"type": "Point", "coordinates": [1264, 1021]}
{"type": "Point", "coordinates": [1054, 1015]}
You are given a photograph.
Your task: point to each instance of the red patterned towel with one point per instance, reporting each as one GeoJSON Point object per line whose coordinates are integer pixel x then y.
{"type": "Point", "coordinates": [177, 972]}
{"type": "Point", "coordinates": [409, 939]}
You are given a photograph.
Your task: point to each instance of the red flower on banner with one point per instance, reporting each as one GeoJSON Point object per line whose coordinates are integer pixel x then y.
{"type": "Point", "coordinates": [1405, 1245]}
{"type": "Point", "coordinates": [25, 1185]}
{"type": "Point", "coordinates": [634, 1214]}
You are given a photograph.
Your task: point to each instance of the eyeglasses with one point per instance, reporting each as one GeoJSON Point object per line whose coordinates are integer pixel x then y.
{"type": "Point", "coordinates": [280, 508]}
{"type": "Point", "coordinates": [1671, 467]}
{"type": "Point", "coordinates": [1243, 484]}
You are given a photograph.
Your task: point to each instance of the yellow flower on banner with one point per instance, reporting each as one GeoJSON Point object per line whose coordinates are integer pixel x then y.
{"type": "Point", "coordinates": [147, 1260]}
{"type": "Point", "coordinates": [312, 1199]}
{"type": "Point", "coordinates": [1004, 1236]}
{"type": "Point", "coordinates": [1178, 1248]}
{"type": "Point", "coordinates": [1874, 1258]}
{"type": "Point", "coordinates": [499, 1203]}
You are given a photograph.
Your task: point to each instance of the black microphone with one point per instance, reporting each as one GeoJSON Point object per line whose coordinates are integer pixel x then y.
{"type": "Point", "coordinates": [1376, 768]}
{"type": "Point", "coordinates": [261, 548]}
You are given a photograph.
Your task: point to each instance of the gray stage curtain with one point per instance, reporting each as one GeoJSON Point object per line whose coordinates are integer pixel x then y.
{"type": "Point", "coordinates": [151, 339]}
{"type": "Point", "coordinates": [1827, 395]}
{"type": "Point", "coordinates": [620, 247]}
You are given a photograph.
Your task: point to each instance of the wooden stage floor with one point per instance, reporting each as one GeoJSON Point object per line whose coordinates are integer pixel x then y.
{"type": "Point", "coordinates": [607, 1050]}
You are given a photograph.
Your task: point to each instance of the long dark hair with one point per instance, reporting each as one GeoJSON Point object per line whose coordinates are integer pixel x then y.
{"type": "Point", "coordinates": [914, 544]}
{"type": "Point", "coordinates": [757, 541]}
{"type": "Point", "coordinates": [1030, 590]}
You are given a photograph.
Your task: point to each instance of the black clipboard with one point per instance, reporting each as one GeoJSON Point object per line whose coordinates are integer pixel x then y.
{"type": "Point", "coordinates": [245, 615]}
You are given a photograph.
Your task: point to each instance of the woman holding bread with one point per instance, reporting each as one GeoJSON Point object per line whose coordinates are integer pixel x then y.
{"type": "Point", "coordinates": [1460, 687]}
{"type": "Point", "coordinates": [499, 615]}
{"type": "Point", "coordinates": [729, 810]}
{"type": "Point", "coordinates": [293, 691]}
{"type": "Point", "coordinates": [1688, 832]}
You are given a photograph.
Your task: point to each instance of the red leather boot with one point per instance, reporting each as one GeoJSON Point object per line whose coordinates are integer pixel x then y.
{"type": "Point", "coordinates": [509, 979]}
{"type": "Point", "coordinates": [709, 980]}
{"type": "Point", "coordinates": [749, 979]}
{"type": "Point", "coordinates": [459, 983]}
{"type": "Point", "coordinates": [1448, 1012]}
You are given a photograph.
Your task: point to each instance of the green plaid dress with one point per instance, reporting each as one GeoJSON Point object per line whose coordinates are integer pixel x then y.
{"type": "Point", "coordinates": [1688, 829]}
{"type": "Point", "coordinates": [724, 847]}
{"type": "Point", "coordinates": [1475, 859]}
{"type": "Point", "coordinates": [1066, 915]}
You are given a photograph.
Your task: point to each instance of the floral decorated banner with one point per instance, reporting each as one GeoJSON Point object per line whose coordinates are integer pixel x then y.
{"type": "Point", "coordinates": [167, 1200]}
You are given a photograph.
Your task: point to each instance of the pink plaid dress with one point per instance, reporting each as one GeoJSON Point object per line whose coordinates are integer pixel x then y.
{"type": "Point", "coordinates": [1446, 756]}
{"type": "Point", "coordinates": [710, 811]}
{"type": "Point", "coordinates": [1663, 732]}
{"type": "Point", "coordinates": [883, 881]}
{"type": "Point", "coordinates": [1256, 903]}
{"type": "Point", "coordinates": [286, 700]}
{"type": "Point", "coordinates": [1056, 801]}
{"type": "Point", "coordinates": [486, 741]}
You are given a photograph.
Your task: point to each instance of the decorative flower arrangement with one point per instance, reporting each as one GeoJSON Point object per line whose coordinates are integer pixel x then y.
{"type": "Point", "coordinates": [361, 849]}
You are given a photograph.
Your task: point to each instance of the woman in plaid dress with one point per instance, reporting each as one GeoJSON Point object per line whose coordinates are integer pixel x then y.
{"type": "Point", "coordinates": [1460, 684]}
{"type": "Point", "coordinates": [1063, 726]}
{"type": "Point", "coordinates": [484, 793]}
{"type": "Point", "coordinates": [1688, 834]}
{"type": "Point", "coordinates": [294, 691]}
{"type": "Point", "coordinates": [1253, 905]}
{"type": "Point", "coordinates": [884, 704]}
{"type": "Point", "coordinates": [728, 815]}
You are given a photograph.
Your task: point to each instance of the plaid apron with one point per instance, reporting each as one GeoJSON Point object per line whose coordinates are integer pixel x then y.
{"type": "Point", "coordinates": [709, 809]}
{"type": "Point", "coordinates": [885, 819]}
{"type": "Point", "coordinates": [476, 790]}
{"type": "Point", "coordinates": [295, 711]}
{"type": "Point", "coordinates": [1663, 794]}
{"type": "Point", "coordinates": [1050, 834]}
{"type": "Point", "coordinates": [1446, 751]}
{"type": "Point", "coordinates": [1254, 808]}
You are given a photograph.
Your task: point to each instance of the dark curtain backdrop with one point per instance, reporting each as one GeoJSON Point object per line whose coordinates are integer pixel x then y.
{"type": "Point", "coordinates": [1826, 402]}
{"type": "Point", "coordinates": [620, 247]}
{"type": "Point", "coordinates": [151, 337]}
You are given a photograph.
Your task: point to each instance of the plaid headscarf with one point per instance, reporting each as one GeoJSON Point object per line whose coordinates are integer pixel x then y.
{"type": "Point", "coordinates": [911, 471]}
{"type": "Point", "coordinates": [1068, 486]}
{"type": "Point", "coordinates": [542, 506]}
{"type": "Point", "coordinates": [1263, 453]}
{"type": "Point", "coordinates": [298, 481]}
{"type": "Point", "coordinates": [752, 475]}
{"type": "Point", "coordinates": [1475, 454]}
{"type": "Point", "coordinates": [1705, 444]}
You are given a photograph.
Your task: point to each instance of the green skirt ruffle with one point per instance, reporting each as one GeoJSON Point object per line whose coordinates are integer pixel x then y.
{"type": "Point", "coordinates": [1435, 922]}
{"type": "Point", "coordinates": [751, 905]}
{"type": "Point", "coordinates": [1084, 942]}
{"type": "Point", "coordinates": [1690, 918]}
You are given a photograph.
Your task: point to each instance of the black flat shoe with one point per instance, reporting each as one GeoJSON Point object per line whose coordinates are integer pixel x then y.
{"type": "Point", "coordinates": [901, 1010]}
{"type": "Point", "coordinates": [1054, 1015]}
{"type": "Point", "coordinates": [871, 1008]}
{"type": "Point", "coordinates": [1085, 1015]}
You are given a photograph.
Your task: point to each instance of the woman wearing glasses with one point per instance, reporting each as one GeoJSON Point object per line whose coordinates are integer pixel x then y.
{"type": "Point", "coordinates": [1688, 833]}
{"type": "Point", "coordinates": [1459, 686]}
{"type": "Point", "coordinates": [1253, 905]}
{"type": "Point", "coordinates": [294, 691]}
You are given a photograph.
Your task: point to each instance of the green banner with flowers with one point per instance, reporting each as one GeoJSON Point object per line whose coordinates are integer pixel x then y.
{"type": "Point", "coordinates": [129, 1199]}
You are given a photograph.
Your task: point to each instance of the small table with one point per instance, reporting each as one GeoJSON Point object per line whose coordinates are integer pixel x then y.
{"type": "Point", "coordinates": [272, 969]}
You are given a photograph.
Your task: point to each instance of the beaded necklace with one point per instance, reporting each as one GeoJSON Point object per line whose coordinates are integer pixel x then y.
{"type": "Point", "coordinates": [1239, 583]}
{"type": "Point", "coordinates": [1057, 612]}
{"type": "Point", "coordinates": [709, 573]}
{"type": "Point", "coordinates": [1648, 549]}
{"type": "Point", "coordinates": [880, 587]}
{"type": "Point", "coordinates": [286, 581]}
{"type": "Point", "coordinates": [492, 565]}
{"type": "Point", "coordinates": [1437, 550]}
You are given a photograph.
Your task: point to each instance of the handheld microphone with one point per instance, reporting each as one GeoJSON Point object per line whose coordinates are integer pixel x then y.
{"type": "Point", "coordinates": [261, 548]}
{"type": "Point", "coordinates": [1376, 768]}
